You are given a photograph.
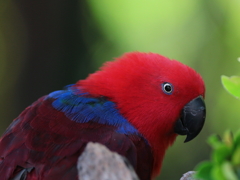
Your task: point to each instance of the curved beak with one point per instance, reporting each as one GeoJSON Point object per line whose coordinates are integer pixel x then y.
{"type": "Point", "coordinates": [192, 119]}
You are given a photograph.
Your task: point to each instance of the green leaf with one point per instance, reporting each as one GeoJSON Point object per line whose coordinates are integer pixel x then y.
{"type": "Point", "coordinates": [204, 171]}
{"type": "Point", "coordinates": [232, 85]}
{"type": "Point", "coordinates": [228, 171]}
{"type": "Point", "coordinates": [217, 173]}
{"type": "Point", "coordinates": [221, 154]}
{"type": "Point", "coordinates": [238, 172]}
{"type": "Point", "coordinates": [236, 157]}
{"type": "Point", "coordinates": [237, 138]}
{"type": "Point", "coordinates": [228, 138]}
{"type": "Point", "coordinates": [215, 141]}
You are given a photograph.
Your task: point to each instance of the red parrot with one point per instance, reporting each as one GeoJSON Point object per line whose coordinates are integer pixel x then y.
{"type": "Point", "coordinates": [135, 105]}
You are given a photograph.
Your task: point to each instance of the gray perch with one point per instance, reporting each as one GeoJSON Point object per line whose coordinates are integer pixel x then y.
{"type": "Point", "coordinates": [99, 163]}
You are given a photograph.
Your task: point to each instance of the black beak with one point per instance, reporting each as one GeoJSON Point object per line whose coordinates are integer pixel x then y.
{"type": "Point", "coordinates": [192, 119]}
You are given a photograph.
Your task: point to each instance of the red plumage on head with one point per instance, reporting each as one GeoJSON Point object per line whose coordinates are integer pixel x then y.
{"type": "Point", "coordinates": [134, 82]}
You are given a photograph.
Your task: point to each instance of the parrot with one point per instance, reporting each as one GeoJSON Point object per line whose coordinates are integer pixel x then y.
{"type": "Point", "coordinates": [135, 105]}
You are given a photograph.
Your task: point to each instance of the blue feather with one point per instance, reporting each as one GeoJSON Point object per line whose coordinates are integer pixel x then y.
{"type": "Point", "coordinates": [82, 108]}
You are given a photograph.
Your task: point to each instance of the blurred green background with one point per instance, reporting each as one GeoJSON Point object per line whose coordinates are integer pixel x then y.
{"type": "Point", "coordinates": [45, 45]}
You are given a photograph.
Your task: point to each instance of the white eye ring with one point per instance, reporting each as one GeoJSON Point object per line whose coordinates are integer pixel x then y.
{"type": "Point", "coordinates": [167, 88]}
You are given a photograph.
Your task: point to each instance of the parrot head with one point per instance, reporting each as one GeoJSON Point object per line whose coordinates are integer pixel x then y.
{"type": "Point", "coordinates": [158, 96]}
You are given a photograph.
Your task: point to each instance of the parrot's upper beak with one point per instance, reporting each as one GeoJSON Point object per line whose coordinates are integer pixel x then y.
{"type": "Point", "coordinates": [192, 119]}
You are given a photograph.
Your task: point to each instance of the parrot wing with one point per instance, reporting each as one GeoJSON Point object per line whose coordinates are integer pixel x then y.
{"type": "Point", "coordinates": [47, 138]}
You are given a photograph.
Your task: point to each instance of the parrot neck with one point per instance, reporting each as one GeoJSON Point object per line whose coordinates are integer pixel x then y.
{"type": "Point", "coordinates": [159, 146]}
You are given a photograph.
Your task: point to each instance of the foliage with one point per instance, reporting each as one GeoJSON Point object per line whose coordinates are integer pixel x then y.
{"type": "Point", "coordinates": [225, 159]}
{"type": "Point", "coordinates": [232, 85]}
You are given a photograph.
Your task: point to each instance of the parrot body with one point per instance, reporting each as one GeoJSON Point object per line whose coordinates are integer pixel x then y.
{"type": "Point", "coordinates": [132, 105]}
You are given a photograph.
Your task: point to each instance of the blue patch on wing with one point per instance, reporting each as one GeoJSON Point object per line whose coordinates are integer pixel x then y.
{"type": "Point", "coordinates": [82, 109]}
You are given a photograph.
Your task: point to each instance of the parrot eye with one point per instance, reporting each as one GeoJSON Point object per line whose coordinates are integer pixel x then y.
{"type": "Point", "coordinates": [167, 88]}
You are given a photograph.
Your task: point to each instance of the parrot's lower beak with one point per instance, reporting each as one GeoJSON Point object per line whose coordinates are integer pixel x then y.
{"type": "Point", "coordinates": [192, 119]}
